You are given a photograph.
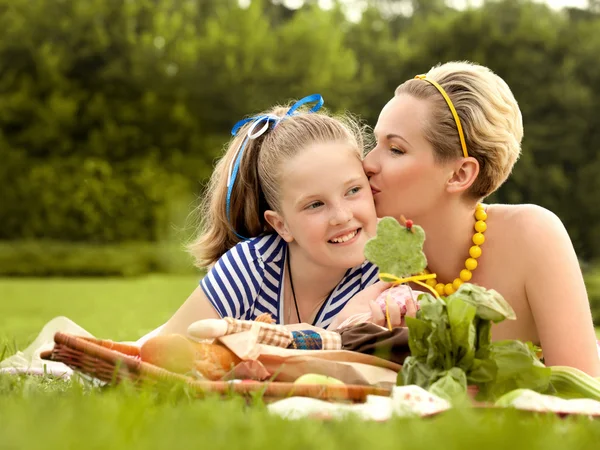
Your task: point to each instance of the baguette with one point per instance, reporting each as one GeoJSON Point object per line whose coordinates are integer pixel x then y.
{"type": "Point", "coordinates": [178, 354]}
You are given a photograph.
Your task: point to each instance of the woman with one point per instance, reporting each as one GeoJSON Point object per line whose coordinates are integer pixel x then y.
{"type": "Point", "coordinates": [435, 169]}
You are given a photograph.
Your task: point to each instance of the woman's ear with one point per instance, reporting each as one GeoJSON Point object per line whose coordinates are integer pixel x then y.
{"type": "Point", "coordinates": [464, 175]}
{"type": "Point", "coordinates": [276, 221]}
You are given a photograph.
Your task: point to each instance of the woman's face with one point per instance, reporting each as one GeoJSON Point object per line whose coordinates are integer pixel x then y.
{"type": "Point", "coordinates": [404, 177]}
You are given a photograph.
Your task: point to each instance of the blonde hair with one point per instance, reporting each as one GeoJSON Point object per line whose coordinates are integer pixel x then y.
{"type": "Point", "coordinates": [489, 115]}
{"type": "Point", "coordinates": [256, 187]}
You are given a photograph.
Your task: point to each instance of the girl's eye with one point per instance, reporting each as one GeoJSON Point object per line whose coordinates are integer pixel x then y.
{"type": "Point", "coordinates": [314, 205]}
{"type": "Point", "coordinates": [396, 151]}
{"type": "Point", "coordinates": [354, 190]}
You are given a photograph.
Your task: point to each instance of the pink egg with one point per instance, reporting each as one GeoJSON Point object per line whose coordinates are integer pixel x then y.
{"type": "Point", "coordinates": [400, 294]}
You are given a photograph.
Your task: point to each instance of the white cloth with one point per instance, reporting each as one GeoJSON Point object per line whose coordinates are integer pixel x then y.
{"type": "Point", "coordinates": [28, 361]}
{"type": "Point", "coordinates": [404, 401]}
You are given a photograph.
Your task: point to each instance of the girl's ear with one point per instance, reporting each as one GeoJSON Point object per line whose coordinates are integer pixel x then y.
{"type": "Point", "coordinates": [464, 175]}
{"type": "Point", "coordinates": [278, 223]}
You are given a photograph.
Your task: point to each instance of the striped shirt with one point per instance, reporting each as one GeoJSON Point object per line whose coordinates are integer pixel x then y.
{"type": "Point", "coordinates": [247, 281]}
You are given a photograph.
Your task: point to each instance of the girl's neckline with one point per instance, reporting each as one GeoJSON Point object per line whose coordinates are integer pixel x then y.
{"type": "Point", "coordinates": [325, 302]}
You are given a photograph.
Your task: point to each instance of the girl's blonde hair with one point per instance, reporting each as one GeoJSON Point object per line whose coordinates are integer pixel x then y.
{"type": "Point", "coordinates": [489, 114]}
{"type": "Point", "coordinates": [257, 186]}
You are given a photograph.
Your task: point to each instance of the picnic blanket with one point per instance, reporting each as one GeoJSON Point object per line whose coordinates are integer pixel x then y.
{"type": "Point", "coordinates": [28, 361]}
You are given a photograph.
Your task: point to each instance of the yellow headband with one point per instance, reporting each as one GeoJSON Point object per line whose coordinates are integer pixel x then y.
{"type": "Point", "coordinates": [463, 144]}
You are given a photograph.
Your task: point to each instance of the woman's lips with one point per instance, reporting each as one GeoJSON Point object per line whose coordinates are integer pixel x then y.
{"type": "Point", "coordinates": [375, 190]}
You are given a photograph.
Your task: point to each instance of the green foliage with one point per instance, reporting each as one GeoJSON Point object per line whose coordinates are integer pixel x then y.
{"type": "Point", "coordinates": [592, 283]}
{"type": "Point", "coordinates": [37, 258]}
{"type": "Point", "coordinates": [87, 199]}
{"type": "Point", "coordinates": [90, 90]}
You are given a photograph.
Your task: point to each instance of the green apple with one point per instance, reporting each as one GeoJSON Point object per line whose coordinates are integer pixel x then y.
{"type": "Point", "coordinates": [315, 378]}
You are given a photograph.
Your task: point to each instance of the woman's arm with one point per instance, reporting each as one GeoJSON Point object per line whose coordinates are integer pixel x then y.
{"type": "Point", "coordinates": [556, 293]}
{"type": "Point", "coordinates": [196, 307]}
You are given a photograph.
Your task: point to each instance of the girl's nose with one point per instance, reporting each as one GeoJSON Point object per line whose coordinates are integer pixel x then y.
{"type": "Point", "coordinates": [341, 215]}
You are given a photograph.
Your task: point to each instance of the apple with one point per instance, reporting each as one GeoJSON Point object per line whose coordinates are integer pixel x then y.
{"type": "Point", "coordinates": [315, 378]}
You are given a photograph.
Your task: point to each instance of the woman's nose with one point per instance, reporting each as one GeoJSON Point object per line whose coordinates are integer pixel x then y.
{"type": "Point", "coordinates": [371, 163]}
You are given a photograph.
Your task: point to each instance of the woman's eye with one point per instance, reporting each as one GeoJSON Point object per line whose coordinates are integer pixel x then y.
{"type": "Point", "coordinates": [354, 190]}
{"type": "Point", "coordinates": [397, 151]}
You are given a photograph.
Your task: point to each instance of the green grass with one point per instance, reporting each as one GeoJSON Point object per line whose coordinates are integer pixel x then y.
{"type": "Point", "coordinates": [52, 414]}
{"type": "Point", "coordinates": [113, 308]}
{"type": "Point", "coordinates": [38, 415]}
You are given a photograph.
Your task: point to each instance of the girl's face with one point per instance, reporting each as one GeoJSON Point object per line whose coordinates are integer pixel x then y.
{"type": "Point", "coordinates": [327, 208]}
{"type": "Point", "coordinates": [405, 179]}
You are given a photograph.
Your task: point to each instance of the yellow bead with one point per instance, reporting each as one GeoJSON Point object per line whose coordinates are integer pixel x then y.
{"type": "Point", "coordinates": [448, 289]}
{"type": "Point", "coordinates": [465, 275]}
{"type": "Point", "coordinates": [480, 226]}
{"type": "Point", "coordinates": [475, 251]}
{"type": "Point", "coordinates": [478, 239]}
{"type": "Point", "coordinates": [431, 282]}
{"type": "Point", "coordinates": [479, 207]}
{"type": "Point", "coordinates": [440, 288]}
{"type": "Point", "coordinates": [480, 214]}
{"type": "Point", "coordinates": [471, 263]}
{"type": "Point", "coordinates": [456, 283]}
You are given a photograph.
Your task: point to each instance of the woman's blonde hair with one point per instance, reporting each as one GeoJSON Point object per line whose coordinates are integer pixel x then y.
{"type": "Point", "coordinates": [489, 114]}
{"type": "Point", "coordinates": [257, 186]}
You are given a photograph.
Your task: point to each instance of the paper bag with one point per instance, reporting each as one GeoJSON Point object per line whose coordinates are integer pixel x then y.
{"type": "Point", "coordinates": [263, 362]}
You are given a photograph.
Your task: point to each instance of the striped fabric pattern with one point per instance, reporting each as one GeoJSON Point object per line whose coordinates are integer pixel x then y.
{"type": "Point", "coordinates": [247, 282]}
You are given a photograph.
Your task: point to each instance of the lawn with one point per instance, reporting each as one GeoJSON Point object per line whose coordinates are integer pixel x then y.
{"type": "Point", "coordinates": [36, 413]}
{"type": "Point", "coordinates": [114, 308]}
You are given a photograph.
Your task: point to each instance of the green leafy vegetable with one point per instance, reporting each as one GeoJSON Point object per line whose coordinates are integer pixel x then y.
{"type": "Point", "coordinates": [452, 386]}
{"type": "Point", "coordinates": [517, 368]}
{"type": "Point", "coordinates": [461, 316]}
{"type": "Point", "coordinates": [489, 303]}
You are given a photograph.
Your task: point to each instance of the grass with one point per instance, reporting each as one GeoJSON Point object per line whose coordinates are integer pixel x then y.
{"type": "Point", "coordinates": [36, 413]}
{"type": "Point", "coordinates": [67, 416]}
{"type": "Point", "coordinates": [113, 308]}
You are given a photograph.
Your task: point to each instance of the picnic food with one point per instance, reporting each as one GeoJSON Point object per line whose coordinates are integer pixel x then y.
{"type": "Point", "coordinates": [569, 382]}
{"type": "Point", "coordinates": [265, 318]}
{"type": "Point", "coordinates": [179, 354]}
{"type": "Point", "coordinates": [315, 378]}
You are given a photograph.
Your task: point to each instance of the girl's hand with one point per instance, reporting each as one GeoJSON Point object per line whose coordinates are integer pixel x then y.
{"type": "Point", "coordinates": [395, 313]}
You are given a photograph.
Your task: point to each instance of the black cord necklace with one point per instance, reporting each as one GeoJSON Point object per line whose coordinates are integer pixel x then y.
{"type": "Point", "coordinates": [289, 270]}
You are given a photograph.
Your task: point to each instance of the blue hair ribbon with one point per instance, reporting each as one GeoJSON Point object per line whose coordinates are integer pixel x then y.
{"type": "Point", "coordinates": [260, 125]}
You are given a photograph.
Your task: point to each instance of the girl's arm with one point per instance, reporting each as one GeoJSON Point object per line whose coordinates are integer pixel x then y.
{"type": "Point", "coordinates": [556, 293]}
{"type": "Point", "coordinates": [359, 303]}
{"type": "Point", "coordinates": [196, 307]}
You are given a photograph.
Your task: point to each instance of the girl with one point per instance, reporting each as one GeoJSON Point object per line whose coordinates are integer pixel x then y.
{"type": "Point", "coordinates": [284, 222]}
{"type": "Point", "coordinates": [447, 140]}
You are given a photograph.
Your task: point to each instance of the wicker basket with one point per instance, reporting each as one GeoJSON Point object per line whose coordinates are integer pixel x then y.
{"type": "Point", "coordinates": [112, 362]}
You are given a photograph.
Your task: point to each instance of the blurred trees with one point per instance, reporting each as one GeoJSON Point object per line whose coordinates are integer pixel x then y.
{"type": "Point", "coordinates": [111, 109]}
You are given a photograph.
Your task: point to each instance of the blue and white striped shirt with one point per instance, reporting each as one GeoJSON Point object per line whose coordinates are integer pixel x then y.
{"type": "Point", "coordinates": [247, 281]}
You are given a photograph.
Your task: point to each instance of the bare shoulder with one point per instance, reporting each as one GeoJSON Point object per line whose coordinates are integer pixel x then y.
{"type": "Point", "coordinates": [527, 220]}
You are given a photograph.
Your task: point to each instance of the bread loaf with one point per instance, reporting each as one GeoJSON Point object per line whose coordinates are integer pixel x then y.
{"type": "Point", "coordinates": [178, 354]}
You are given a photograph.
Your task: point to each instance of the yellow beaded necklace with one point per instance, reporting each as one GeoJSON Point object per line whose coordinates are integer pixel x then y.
{"type": "Point", "coordinates": [480, 226]}
{"type": "Point", "coordinates": [471, 263]}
